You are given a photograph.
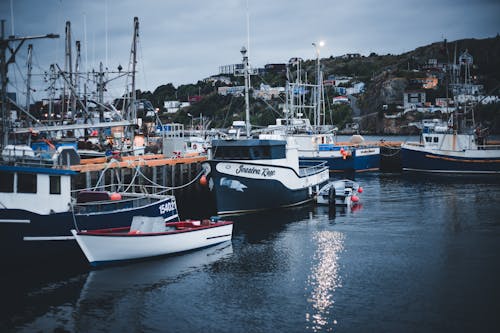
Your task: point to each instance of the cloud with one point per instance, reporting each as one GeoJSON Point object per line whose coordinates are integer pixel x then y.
{"type": "Point", "coordinates": [182, 42]}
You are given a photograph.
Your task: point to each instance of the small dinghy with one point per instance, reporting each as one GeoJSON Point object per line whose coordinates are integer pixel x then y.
{"type": "Point", "coordinates": [150, 237]}
{"type": "Point", "coordinates": [344, 192]}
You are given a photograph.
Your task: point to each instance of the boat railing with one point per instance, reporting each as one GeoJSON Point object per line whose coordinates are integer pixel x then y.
{"type": "Point", "coordinates": [131, 190]}
{"type": "Point", "coordinates": [311, 167]}
{"type": "Point", "coordinates": [135, 196]}
{"type": "Point", "coordinates": [488, 147]}
{"type": "Point", "coordinates": [28, 161]}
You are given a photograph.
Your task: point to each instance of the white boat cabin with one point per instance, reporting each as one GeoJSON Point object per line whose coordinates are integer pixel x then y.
{"type": "Point", "coordinates": [35, 189]}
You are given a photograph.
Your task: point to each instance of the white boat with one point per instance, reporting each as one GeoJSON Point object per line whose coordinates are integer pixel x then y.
{"type": "Point", "coordinates": [150, 237]}
{"type": "Point", "coordinates": [344, 192]}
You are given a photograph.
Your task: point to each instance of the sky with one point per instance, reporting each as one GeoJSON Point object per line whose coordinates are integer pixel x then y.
{"type": "Point", "coordinates": [183, 41]}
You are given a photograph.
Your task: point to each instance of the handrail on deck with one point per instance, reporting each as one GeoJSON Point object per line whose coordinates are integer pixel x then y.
{"type": "Point", "coordinates": [312, 169]}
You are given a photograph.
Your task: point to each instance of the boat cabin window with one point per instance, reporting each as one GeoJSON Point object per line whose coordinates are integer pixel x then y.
{"type": "Point", "coordinates": [26, 183]}
{"type": "Point", "coordinates": [7, 182]}
{"type": "Point", "coordinates": [230, 153]}
{"type": "Point", "coordinates": [249, 152]}
{"type": "Point", "coordinates": [55, 184]}
{"type": "Point", "coordinates": [428, 139]}
{"type": "Point", "coordinates": [436, 139]}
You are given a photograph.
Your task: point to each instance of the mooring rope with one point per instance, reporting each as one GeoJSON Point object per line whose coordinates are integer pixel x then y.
{"type": "Point", "coordinates": [173, 187]}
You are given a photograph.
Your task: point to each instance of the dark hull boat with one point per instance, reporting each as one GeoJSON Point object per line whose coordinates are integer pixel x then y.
{"type": "Point", "coordinates": [450, 153]}
{"type": "Point", "coordinates": [253, 175]}
{"type": "Point", "coordinates": [38, 211]}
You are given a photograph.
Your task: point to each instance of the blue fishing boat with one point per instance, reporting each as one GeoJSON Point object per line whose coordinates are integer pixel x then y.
{"type": "Point", "coordinates": [354, 156]}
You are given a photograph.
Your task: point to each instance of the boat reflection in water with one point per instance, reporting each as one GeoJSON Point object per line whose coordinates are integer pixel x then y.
{"type": "Point", "coordinates": [115, 298]}
{"type": "Point", "coordinates": [324, 280]}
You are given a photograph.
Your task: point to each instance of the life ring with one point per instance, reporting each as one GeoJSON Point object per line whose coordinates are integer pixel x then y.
{"type": "Point", "coordinates": [194, 146]}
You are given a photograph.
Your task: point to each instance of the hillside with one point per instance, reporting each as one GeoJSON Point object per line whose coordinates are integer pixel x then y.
{"type": "Point", "coordinates": [386, 77]}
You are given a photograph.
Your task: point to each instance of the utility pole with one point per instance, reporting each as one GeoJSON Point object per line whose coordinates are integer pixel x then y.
{"type": "Point", "coordinates": [7, 44]}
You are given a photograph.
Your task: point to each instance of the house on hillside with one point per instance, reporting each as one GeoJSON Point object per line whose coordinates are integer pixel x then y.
{"type": "Point", "coordinates": [235, 91]}
{"type": "Point", "coordinates": [174, 106]}
{"type": "Point", "coordinates": [218, 78]}
{"type": "Point", "coordinates": [340, 100]}
{"type": "Point", "coordinates": [275, 68]}
{"type": "Point", "coordinates": [267, 92]}
{"type": "Point", "coordinates": [413, 98]}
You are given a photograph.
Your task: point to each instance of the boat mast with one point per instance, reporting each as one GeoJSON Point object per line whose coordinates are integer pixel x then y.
{"type": "Point", "coordinates": [319, 85]}
{"type": "Point", "coordinates": [77, 76]}
{"type": "Point", "coordinates": [28, 77]}
{"type": "Point", "coordinates": [247, 100]}
{"type": "Point", "coordinates": [68, 69]}
{"type": "Point", "coordinates": [133, 110]}
{"type": "Point", "coordinates": [5, 43]}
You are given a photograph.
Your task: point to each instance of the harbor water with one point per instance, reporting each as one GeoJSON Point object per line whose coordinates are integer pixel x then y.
{"type": "Point", "coordinates": [419, 254]}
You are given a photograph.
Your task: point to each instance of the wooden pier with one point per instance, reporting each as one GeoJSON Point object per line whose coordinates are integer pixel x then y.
{"type": "Point", "coordinates": [166, 172]}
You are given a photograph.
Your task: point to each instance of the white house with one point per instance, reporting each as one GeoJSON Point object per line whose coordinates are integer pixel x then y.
{"type": "Point", "coordinates": [236, 90]}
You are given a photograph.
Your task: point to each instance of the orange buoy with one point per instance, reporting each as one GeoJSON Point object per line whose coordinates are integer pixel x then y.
{"type": "Point", "coordinates": [360, 189]}
{"type": "Point", "coordinates": [115, 196]}
{"type": "Point", "coordinates": [354, 198]}
{"type": "Point", "coordinates": [203, 180]}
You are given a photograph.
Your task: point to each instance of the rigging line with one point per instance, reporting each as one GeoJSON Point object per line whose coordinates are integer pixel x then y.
{"type": "Point", "coordinates": [133, 178]}
{"type": "Point", "coordinates": [271, 107]}
{"type": "Point", "coordinates": [173, 187]}
{"type": "Point", "coordinates": [108, 165]}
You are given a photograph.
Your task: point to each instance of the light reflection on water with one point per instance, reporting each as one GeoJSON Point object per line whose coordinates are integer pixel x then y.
{"type": "Point", "coordinates": [324, 279]}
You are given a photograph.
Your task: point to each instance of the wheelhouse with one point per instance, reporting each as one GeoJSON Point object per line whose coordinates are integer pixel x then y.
{"type": "Point", "coordinates": [248, 149]}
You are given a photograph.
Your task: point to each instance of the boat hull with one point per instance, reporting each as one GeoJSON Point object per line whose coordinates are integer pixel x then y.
{"type": "Point", "coordinates": [246, 187]}
{"type": "Point", "coordinates": [419, 159]}
{"type": "Point", "coordinates": [360, 160]}
{"type": "Point", "coordinates": [101, 249]}
{"type": "Point", "coordinates": [27, 235]}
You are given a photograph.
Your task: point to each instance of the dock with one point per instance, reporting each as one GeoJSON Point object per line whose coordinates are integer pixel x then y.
{"type": "Point", "coordinates": [164, 171]}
